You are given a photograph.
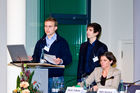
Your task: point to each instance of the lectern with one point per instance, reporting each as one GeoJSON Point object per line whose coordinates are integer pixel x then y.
{"type": "Point", "coordinates": [41, 73]}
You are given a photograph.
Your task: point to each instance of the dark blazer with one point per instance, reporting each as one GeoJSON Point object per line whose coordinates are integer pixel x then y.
{"type": "Point", "coordinates": [98, 49]}
{"type": "Point", "coordinates": [59, 48]}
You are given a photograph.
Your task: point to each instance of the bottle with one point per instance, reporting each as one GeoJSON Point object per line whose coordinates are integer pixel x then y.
{"type": "Point", "coordinates": [84, 83]}
{"type": "Point", "coordinates": [61, 89]}
{"type": "Point", "coordinates": [55, 87]}
{"type": "Point", "coordinates": [121, 87]}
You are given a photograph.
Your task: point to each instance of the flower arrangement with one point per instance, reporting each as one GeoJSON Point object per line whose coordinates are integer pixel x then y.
{"type": "Point", "coordinates": [24, 82]}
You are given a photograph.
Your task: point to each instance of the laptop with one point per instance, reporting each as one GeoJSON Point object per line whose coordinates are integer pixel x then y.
{"type": "Point", "coordinates": [18, 53]}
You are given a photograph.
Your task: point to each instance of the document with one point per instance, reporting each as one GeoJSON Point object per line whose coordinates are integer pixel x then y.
{"type": "Point", "coordinates": [50, 58]}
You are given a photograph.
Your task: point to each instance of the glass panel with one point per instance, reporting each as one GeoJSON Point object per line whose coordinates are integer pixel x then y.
{"type": "Point", "coordinates": [74, 34]}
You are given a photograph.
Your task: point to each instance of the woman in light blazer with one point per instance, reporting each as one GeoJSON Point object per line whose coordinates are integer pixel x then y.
{"type": "Point", "coordinates": [105, 76]}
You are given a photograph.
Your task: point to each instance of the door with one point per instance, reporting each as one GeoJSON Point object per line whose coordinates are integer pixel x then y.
{"type": "Point", "coordinates": [127, 61]}
{"type": "Point", "coordinates": [73, 17]}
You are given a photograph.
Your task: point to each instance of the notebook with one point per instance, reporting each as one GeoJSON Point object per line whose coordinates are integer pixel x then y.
{"type": "Point", "coordinates": [18, 53]}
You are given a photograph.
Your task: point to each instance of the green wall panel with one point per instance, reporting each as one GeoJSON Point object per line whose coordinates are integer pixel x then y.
{"type": "Point", "coordinates": [65, 7]}
{"type": "Point", "coordinates": [68, 6]}
{"type": "Point", "coordinates": [75, 35]}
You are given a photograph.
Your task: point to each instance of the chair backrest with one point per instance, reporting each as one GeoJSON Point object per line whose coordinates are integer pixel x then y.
{"type": "Point", "coordinates": [133, 88]}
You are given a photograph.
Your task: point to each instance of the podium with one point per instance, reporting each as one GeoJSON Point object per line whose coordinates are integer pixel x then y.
{"type": "Point", "coordinates": [40, 73]}
{"type": "Point", "coordinates": [36, 64]}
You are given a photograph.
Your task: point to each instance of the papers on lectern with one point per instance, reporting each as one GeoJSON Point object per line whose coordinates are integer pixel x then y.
{"type": "Point", "coordinates": [50, 58]}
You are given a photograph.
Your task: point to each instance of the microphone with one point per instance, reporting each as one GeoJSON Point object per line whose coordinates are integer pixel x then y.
{"type": "Point", "coordinates": [83, 75]}
{"type": "Point", "coordinates": [42, 60]}
{"type": "Point", "coordinates": [112, 77]}
{"type": "Point", "coordinates": [133, 83]}
{"type": "Point", "coordinates": [136, 81]}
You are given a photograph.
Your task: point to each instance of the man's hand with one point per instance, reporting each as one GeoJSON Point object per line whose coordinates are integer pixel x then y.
{"type": "Point", "coordinates": [30, 58]}
{"type": "Point", "coordinates": [58, 61]}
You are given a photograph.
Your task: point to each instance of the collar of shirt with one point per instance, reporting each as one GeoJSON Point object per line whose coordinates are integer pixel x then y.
{"type": "Point", "coordinates": [89, 44]}
{"type": "Point", "coordinates": [51, 40]}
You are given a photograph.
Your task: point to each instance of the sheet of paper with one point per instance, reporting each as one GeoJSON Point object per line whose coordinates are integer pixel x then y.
{"type": "Point", "coordinates": [50, 58]}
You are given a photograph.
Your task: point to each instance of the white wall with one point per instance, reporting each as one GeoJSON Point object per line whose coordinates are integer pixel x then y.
{"type": "Point", "coordinates": [15, 35]}
{"type": "Point", "coordinates": [3, 52]}
{"type": "Point", "coordinates": [116, 19]}
{"type": "Point", "coordinates": [121, 32]}
{"type": "Point", "coordinates": [100, 13]}
{"type": "Point", "coordinates": [137, 39]}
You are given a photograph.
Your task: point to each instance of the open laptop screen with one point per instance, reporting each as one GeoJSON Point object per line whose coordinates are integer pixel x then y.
{"type": "Point", "coordinates": [18, 53]}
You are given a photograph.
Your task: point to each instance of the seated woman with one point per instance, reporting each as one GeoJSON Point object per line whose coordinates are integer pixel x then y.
{"type": "Point", "coordinates": [105, 76]}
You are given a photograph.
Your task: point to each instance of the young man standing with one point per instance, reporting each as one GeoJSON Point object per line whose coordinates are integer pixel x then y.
{"type": "Point", "coordinates": [53, 44]}
{"type": "Point", "coordinates": [90, 51]}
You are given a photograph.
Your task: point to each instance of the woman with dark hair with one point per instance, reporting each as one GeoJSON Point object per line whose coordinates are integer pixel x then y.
{"type": "Point", "coordinates": [105, 76]}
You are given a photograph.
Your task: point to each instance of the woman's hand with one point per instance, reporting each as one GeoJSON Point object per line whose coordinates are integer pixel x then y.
{"type": "Point", "coordinates": [95, 88]}
{"type": "Point", "coordinates": [80, 84]}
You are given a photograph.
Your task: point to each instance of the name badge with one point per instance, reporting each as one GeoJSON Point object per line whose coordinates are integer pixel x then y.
{"type": "Point", "coordinates": [46, 48]}
{"type": "Point", "coordinates": [75, 90]}
{"type": "Point", "coordinates": [107, 91]}
{"type": "Point", "coordinates": [137, 91]}
{"type": "Point", "coordinates": [95, 59]}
